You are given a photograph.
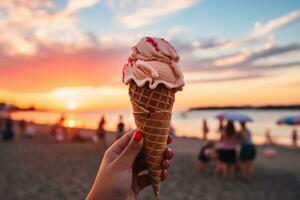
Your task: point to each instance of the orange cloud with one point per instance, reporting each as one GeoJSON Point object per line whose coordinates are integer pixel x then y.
{"type": "Point", "coordinates": [50, 69]}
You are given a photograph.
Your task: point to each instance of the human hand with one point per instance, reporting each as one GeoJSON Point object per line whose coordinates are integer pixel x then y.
{"type": "Point", "coordinates": [121, 174]}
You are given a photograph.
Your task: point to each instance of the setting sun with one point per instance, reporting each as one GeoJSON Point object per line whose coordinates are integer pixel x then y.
{"type": "Point", "coordinates": [72, 105]}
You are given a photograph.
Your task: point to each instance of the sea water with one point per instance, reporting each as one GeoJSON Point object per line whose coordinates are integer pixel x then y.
{"type": "Point", "coordinates": [186, 124]}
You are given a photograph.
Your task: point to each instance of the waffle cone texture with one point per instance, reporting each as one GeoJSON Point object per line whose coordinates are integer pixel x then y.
{"type": "Point", "coordinates": [152, 111]}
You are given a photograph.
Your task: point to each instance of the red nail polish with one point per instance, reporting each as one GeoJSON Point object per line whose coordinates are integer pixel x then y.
{"type": "Point", "coordinates": [137, 136]}
{"type": "Point", "coordinates": [170, 139]}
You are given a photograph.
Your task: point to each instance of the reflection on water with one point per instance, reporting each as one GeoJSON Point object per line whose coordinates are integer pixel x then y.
{"type": "Point", "coordinates": [70, 123]}
{"type": "Point", "coordinates": [187, 124]}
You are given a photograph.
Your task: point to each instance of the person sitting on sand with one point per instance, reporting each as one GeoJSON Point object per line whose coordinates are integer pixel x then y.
{"type": "Point", "coordinates": [206, 154]}
{"type": "Point", "coordinates": [295, 138]}
{"type": "Point", "coordinates": [247, 153]}
{"type": "Point", "coordinates": [268, 138]}
{"type": "Point", "coordinates": [120, 175]}
{"type": "Point", "coordinates": [22, 128]}
{"type": "Point", "coordinates": [205, 129]}
{"type": "Point", "coordinates": [120, 128]}
{"type": "Point", "coordinates": [227, 150]}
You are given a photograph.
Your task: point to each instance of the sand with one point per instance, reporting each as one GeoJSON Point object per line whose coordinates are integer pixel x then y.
{"type": "Point", "coordinates": [40, 168]}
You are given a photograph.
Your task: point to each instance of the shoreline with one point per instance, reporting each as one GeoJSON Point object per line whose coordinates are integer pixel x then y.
{"type": "Point", "coordinates": [258, 139]}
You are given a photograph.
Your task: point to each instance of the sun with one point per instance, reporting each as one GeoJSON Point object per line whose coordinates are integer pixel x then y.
{"type": "Point", "coordinates": [72, 105]}
{"type": "Point", "coordinates": [71, 123]}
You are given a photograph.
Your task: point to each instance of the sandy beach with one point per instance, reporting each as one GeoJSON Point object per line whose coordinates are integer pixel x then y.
{"type": "Point", "coordinates": [40, 168]}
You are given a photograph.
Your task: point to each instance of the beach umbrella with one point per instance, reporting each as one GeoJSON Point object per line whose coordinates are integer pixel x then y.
{"type": "Point", "coordinates": [289, 120]}
{"type": "Point", "coordinates": [221, 116]}
{"type": "Point", "coordinates": [235, 116]}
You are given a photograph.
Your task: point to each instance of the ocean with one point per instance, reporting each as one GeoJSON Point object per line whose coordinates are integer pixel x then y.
{"type": "Point", "coordinates": [186, 124]}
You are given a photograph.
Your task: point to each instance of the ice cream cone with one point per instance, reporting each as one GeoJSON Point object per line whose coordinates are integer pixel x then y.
{"type": "Point", "coordinates": [152, 110]}
{"type": "Point", "coordinates": [153, 76]}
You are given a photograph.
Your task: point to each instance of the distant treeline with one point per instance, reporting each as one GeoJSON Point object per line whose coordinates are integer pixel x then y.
{"type": "Point", "coordinates": [11, 107]}
{"type": "Point", "coordinates": [267, 107]}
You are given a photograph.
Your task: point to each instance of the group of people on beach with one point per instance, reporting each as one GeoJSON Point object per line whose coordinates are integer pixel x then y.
{"type": "Point", "coordinates": [99, 136]}
{"type": "Point", "coordinates": [15, 130]}
{"type": "Point", "coordinates": [62, 133]}
{"type": "Point", "coordinates": [233, 151]}
{"type": "Point", "coordinates": [9, 132]}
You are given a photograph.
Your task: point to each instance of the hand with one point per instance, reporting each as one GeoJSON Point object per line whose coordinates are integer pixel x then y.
{"type": "Point", "coordinates": [118, 177]}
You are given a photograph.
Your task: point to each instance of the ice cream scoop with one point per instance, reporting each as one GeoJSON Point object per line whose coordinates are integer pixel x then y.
{"type": "Point", "coordinates": [153, 60]}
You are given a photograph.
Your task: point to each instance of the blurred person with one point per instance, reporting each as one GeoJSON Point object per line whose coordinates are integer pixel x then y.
{"type": "Point", "coordinates": [22, 128]}
{"type": "Point", "coordinates": [206, 154]}
{"type": "Point", "coordinates": [30, 130]}
{"type": "Point", "coordinates": [268, 138]}
{"type": "Point", "coordinates": [295, 138]}
{"type": "Point", "coordinates": [8, 132]}
{"type": "Point", "coordinates": [120, 175]}
{"type": "Point", "coordinates": [205, 129]}
{"type": "Point", "coordinates": [1, 127]}
{"type": "Point", "coordinates": [221, 129]}
{"type": "Point", "coordinates": [227, 150]}
{"type": "Point", "coordinates": [1, 124]}
{"type": "Point", "coordinates": [120, 128]}
{"type": "Point", "coordinates": [221, 126]}
{"type": "Point", "coordinates": [101, 133]}
{"type": "Point", "coordinates": [59, 131]}
{"type": "Point", "coordinates": [247, 153]}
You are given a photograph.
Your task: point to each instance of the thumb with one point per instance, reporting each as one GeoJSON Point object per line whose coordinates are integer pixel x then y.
{"type": "Point", "coordinates": [134, 147]}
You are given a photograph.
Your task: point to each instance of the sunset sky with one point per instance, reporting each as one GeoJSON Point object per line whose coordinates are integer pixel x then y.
{"type": "Point", "coordinates": [54, 54]}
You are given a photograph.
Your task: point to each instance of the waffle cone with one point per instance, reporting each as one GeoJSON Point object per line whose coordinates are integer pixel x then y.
{"type": "Point", "coordinates": [152, 110]}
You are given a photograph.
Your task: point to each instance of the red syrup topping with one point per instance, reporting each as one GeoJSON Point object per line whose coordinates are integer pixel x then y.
{"type": "Point", "coordinates": [170, 57]}
{"type": "Point", "coordinates": [153, 43]}
{"type": "Point", "coordinates": [131, 60]}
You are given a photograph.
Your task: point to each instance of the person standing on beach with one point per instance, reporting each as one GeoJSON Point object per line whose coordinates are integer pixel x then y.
{"type": "Point", "coordinates": [247, 153]}
{"type": "Point", "coordinates": [227, 150]}
{"type": "Point", "coordinates": [221, 127]}
{"type": "Point", "coordinates": [8, 133]}
{"type": "Point", "coordinates": [1, 125]}
{"type": "Point", "coordinates": [101, 132]}
{"type": "Point", "coordinates": [120, 128]}
{"type": "Point", "coordinates": [205, 129]}
{"type": "Point", "coordinates": [295, 138]}
{"type": "Point", "coordinates": [217, 162]}
{"type": "Point", "coordinates": [22, 128]}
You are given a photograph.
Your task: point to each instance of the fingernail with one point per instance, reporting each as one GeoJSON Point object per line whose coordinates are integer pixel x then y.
{"type": "Point", "coordinates": [170, 139]}
{"type": "Point", "coordinates": [137, 136]}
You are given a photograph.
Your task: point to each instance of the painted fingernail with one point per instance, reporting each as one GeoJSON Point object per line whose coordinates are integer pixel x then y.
{"type": "Point", "coordinates": [170, 139]}
{"type": "Point", "coordinates": [137, 136]}
{"type": "Point", "coordinates": [164, 174]}
{"type": "Point", "coordinates": [165, 164]}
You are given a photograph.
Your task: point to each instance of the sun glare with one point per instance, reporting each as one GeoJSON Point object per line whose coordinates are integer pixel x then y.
{"type": "Point", "coordinates": [71, 123]}
{"type": "Point", "coordinates": [72, 105]}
